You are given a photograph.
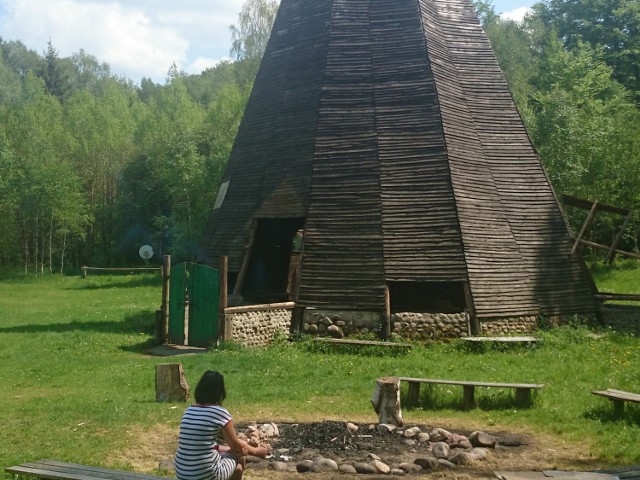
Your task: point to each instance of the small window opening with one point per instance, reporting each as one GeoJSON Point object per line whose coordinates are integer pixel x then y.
{"type": "Point", "coordinates": [427, 297]}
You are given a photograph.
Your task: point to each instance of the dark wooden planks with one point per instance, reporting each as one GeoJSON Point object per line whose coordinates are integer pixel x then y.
{"type": "Point", "coordinates": [515, 189]}
{"type": "Point", "coordinates": [389, 126]}
{"type": "Point", "coordinates": [56, 470]}
{"type": "Point", "coordinates": [342, 259]}
{"type": "Point", "coordinates": [420, 226]}
{"type": "Point", "coordinates": [270, 164]}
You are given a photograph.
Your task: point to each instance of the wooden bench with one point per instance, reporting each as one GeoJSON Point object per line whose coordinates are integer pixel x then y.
{"type": "Point", "coordinates": [618, 397]}
{"type": "Point", "coordinates": [54, 470]}
{"type": "Point", "coordinates": [523, 390]}
{"type": "Point", "coordinates": [505, 340]}
{"type": "Point", "coordinates": [347, 341]}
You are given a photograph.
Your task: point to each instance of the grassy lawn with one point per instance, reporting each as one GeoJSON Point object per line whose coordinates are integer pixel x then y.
{"type": "Point", "coordinates": [77, 383]}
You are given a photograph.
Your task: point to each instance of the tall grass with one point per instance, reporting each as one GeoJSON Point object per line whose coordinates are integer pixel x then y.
{"type": "Point", "coordinates": [76, 379]}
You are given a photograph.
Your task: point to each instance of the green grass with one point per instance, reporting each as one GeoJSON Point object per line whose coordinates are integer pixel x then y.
{"type": "Point", "coordinates": [76, 381]}
{"type": "Point", "coordinates": [623, 277]}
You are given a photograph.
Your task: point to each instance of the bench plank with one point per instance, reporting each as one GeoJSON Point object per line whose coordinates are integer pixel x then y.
{"type": "Point", "coordinates": [501, 339]}
{"type": "Point", "coordinates": [55, 470]}
{"type": "Point", "coordinates": [618, 397]}
{"type": "Point", "coordinates": [618, 394]}
{"type": "Point", "coordinates": [523, 390]}
{"type": "Point", "coordinates": [472, 384]}
{"type": "Point", "coordinates": [346, 341]}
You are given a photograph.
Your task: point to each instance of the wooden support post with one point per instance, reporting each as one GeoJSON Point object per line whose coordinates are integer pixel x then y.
{"type": "Point", "coordinates": [237, 289]}
{"type": "Point", "coordinates": [297, 321]}
{"type": "Point", "coordinates": [618, 407]}
{"type": "Point", "coordinates": [223, 272]}
{"type": "Point", "coordinates": [585, 225]}
{"type": "Point", "coordinates": [84, 272]}
{"type": "Point", "coordinates": [474, 325]}
{"type": "Point", "coordinates": [166, 276]}
{"type": "Point", "coordinates": [386, 401]}
{"type": "Point", "coordinates": [228, 328]}
{"type": "Point", "coordinates": [386, 317]}
{"type": "Point", "coordinates": [523, 397]}
{"type": "Point", "coordinates": [468, 394]}
{"type": "Point", "coordinates": [614, 245]}
{"type": "Point", "coordinates": [413, 394]}
{"type": "Point", "coordinates": [171, 385]}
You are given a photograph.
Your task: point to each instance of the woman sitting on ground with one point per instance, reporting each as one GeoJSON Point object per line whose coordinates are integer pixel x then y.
{"type": "Point", "coordinates": [205, 425]}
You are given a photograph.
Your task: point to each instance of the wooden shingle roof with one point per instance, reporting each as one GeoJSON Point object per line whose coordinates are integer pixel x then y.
{"type": "Point", "coordinates": [389, 127]}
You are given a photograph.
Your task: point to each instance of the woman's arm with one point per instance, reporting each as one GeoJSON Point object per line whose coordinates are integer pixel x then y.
{"type": "Point", "coordinates": [239, 447]}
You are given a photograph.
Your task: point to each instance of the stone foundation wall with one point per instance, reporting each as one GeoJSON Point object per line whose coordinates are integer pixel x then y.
{"type": "Point", "coordinates": [511, 326]}
{"type": "Point", "coordinates": [257, 328]}
{"type": "Point", "coordinates": [429, 326]}
{"type": "Point", "coordinates": [339, 324]}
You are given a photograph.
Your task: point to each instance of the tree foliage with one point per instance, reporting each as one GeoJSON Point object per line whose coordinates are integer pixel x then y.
{"type": "Point", "coordinates": [249, 38]}
{"type": "Point", "coordinates": [93, 166]}
{"type": "Point", "coordinates": [573, 93]}
{"type": "Point", "coordinates": [611, 26]}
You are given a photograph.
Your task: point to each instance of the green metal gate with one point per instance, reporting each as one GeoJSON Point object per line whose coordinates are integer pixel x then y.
{"type": "Point", "coordinates": [194, 289]}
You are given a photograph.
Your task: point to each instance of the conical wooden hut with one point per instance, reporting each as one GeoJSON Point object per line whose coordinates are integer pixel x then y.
{"type": "Point", "coordinates": [383, 132]}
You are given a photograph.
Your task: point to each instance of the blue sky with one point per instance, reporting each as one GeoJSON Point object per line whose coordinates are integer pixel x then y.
{"type": "Point", "coordinates": [140, 38]}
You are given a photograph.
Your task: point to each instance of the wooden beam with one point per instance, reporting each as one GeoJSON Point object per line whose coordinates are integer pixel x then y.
{"type": "Point", "coordinates": [604, 247]}
{"type": "Point", "coordinates": [474, 324]}
{"type": "Point", "coordinates": [386, 316]}
{"type": "Point", "coordinates": [166, 277]}
{"type": "Point", "coordinates": [237, 290]}
{"type": "Point", "coordinates": [587, 204]}
{"type": "Point", "coordinates": [223, 295]}
{"type": "Point", "coordinates": [585, 225]}
{"type": "Point", "coordinates": [257, 308]}
{"type": "Point", "coordinates": [614, 245]}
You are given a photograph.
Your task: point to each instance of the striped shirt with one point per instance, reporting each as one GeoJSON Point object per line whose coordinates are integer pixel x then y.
{"type": "Point", "coordinates": [197, 457]}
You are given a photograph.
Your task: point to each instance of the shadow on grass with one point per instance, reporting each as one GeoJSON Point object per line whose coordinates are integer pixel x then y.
{"type": "Point", "coordinates": [359, 350]}
{"type": "Point", "coordinates": [484, 347]}
{"type": "Point", "coordinates": [605, 414]}
{"type": "Point", "coordinates": [141, 322]}
{"type": "Point", "coordinates": [129, 281]}
{"type": "Point", "coordinates": [434, 400]}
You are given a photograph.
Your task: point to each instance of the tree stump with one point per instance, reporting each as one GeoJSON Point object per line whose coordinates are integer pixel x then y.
{"type": "Point", "coordinates": [386, 401]}
{"type": "Point", "coordinates": [171, 386]}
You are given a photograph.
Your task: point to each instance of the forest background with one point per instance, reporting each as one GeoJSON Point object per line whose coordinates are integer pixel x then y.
{"type": "Point", "coordinates": [93, 166]}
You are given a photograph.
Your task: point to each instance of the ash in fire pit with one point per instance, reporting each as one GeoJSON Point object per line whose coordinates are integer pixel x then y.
{"type": "Point", "coordinates": [369, 448]}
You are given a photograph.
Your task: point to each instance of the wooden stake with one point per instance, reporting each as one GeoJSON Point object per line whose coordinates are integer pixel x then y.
{"type": "Point", "coordinates": [166, 276]}
{"type": "Point", "coordinates": [386, 401]}
{"type": "Point", "coordinates": [224, 263]}
{"type": "Point", "coordinates": [171, 385]}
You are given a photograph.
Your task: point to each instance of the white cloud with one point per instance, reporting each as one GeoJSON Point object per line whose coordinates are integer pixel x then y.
{"type": "Point", "coordinates": [200, 64]}
{"type": "Point", "coordinates": [516, 15]}
{"type": "Point", "coordinates": [136, 38]}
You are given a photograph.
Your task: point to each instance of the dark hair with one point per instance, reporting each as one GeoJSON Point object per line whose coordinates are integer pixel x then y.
{"type": "Point", "coordinates": [210, 388]}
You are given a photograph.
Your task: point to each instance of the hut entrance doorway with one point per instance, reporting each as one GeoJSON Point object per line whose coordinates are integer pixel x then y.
{"type": "Point", "coordinates": [268, 261]}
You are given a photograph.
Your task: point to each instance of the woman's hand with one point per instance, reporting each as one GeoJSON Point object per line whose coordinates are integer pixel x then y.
{"type": "Point", "coordinates": [261, 451]}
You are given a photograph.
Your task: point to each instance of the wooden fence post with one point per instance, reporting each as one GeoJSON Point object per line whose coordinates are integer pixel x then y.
{"type": "Point", "coordinates": [224, 266]}
{"type": "Point", "coordinates": [166, 276]}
